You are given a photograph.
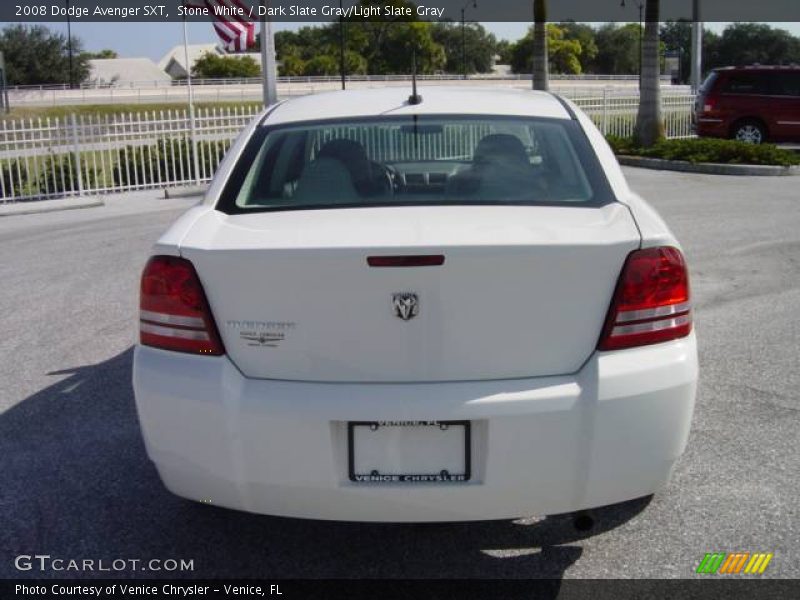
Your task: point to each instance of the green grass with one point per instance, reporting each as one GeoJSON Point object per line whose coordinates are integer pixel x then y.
{"type": "Point", "coordinates": [708, 150]}
{"type": "Point", "coordinates": [61, 112]}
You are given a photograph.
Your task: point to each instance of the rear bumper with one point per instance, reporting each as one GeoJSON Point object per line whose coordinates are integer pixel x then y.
{"type": "Point", "coordinates": [711, 127]}
{"type": "Point", "coordinates": [609, 433]}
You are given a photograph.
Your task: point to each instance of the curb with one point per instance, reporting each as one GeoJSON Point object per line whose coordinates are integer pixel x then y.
{"type": "Point", "coordinates": [34, 210]}
{"type": "Point", "coordinates": [706, 168]}
{"type": "Point", "coordinates": [185, 192]}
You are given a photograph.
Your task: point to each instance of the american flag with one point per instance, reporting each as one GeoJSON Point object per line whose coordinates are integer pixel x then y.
{"type": "Point", "coordinates": [232, 23]}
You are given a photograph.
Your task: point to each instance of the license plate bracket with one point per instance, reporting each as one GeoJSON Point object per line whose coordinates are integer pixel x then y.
{"type": "Point", "coordinates": [409, 451]}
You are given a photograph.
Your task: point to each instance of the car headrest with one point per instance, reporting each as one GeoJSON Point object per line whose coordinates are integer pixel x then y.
{"type": "Point", "coordinates": [325, 181]}
{"type": "Point", "coordinates": [500, 148]}
{"type": "Point", "coordinates": [351, 154]}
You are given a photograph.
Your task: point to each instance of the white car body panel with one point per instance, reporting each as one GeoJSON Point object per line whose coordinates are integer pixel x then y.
{"type": "Point", "coordinates": [436, 101]}
{"type": "Point", "coordinates": [545, 445]}
{"type": "Point", "coordinates": [555, 426]}
{"type": "Point", "coordinates": [604, 153]}
{"type": "Point", "coordinates": [478, 319]}
{"type": "Point", "coordinates": [651, 226]}
{"type": "Point", "coordinates": [170, 243]}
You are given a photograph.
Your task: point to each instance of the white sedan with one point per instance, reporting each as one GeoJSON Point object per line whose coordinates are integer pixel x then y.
{"type": "Point", "coordinates": [389, 310]}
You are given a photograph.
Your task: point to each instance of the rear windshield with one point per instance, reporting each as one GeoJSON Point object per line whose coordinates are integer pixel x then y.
{"type": "Point", "coordinates": [706, 86]}
{"type": "Point", "coordinates": [416, 160]}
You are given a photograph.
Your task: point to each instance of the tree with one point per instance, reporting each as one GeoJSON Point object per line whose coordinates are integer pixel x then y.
{"type": "Point", "coordinates": [711, 58]}
{"type": "Point", "coordinates": [399, 42]}
{"type": "Point", "coordinates": [503, 50]}
{"type": "Point", "coordinates": [354, 63]}
{"type": "Point", "coordinates": [373, 45]}
{"type": "Point", "coordinates": [387, 44]}
{"type": "Point", "coordinates": [585, 35]}
{"type": "Point", "coordinates": [649, 126]}
{"type": "Point", "coordinates": [291, 65]}
{"type": "Point", "coordinates": [213, 66]}
{"type": "Point", "coordinates": [307, 42]}
{"type": "Point", "coordinates": [106, 53]}
{"type": "Point", "coordinates": [35, 55]}
{"type": "Point", "coordinates": [748, 43]}
{"type": "Point", "coordinates": [677, 37]}
{"type": "Point", "coordinates": [540, 58]}
{"type": "Point", "coordinates": [323, 64]}
{"type": "Point", "coordinates": [479, 44]}
{"type": "Point", "coordinates": [617, 49]}
{"type": "Point", "coordinates": [563, 54]}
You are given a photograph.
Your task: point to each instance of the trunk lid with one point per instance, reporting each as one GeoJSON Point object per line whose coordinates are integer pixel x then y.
{"type": "Point", "coordinates": [523, 291]}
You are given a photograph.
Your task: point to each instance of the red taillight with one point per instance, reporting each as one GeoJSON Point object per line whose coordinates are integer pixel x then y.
{"type": "Point", "coordinates": [709, 104]}
{"type": "Point", "coordinates": [651, 303]}
{"type": "Point", "coordinates": [174, 313]}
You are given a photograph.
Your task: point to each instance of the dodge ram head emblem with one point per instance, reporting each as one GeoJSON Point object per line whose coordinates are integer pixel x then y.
{"type": "Point", "coordinates": [406, 306]}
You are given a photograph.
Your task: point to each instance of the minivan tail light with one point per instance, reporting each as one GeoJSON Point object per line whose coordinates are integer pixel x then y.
{"type": "Point", "coordinates": [651, 303]}
{"type": "Point", "coordinates": [709, 104]}
{"type": "Point", "coordinates": [174, 313]}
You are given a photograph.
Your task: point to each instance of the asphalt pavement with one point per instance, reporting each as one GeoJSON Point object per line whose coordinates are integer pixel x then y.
{"type": "Point", "coordinates": [75, 482]}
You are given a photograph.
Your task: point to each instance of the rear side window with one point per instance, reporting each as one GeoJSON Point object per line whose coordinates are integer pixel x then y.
{"type": "Point", "coordinates": [747, 84]}
{"type": "Point", "coordinates": [786, 83]}
{"type": "Point", "coordinates": [416, 160]}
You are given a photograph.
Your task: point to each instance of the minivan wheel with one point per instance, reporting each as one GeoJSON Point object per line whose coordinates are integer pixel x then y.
{"type": "Point", "coordinates": [750, 132]}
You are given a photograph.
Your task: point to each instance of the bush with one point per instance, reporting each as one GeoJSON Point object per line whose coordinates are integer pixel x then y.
{"type": "Point", "coordinates": [212, 66]}
{"type": "Point", "coordinates": [15, 180]}
{"type": "Point", "coordinates": [59, 174]}
{"type": "Point", "coordinates": [52, 175]}
{"type": "Point", "coordinates": [620, 145]}
{"type": "Point", "coordinates": [171, 158]}
{"type": "Point", "coordinates": [709, 150]}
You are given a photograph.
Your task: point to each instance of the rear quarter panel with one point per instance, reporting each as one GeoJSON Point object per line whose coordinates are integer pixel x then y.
{"type": "Point", "coordinates": [652, 228]}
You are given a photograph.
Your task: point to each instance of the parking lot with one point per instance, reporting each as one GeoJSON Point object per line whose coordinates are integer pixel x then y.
{"type": "Point", "coordinates": [75, 481]}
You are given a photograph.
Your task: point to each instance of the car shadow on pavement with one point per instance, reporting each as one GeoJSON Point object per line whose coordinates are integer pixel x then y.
{"type": "Point", "coordinates": [77, 484]}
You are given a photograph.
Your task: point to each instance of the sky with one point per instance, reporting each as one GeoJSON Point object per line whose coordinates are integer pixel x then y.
{"type": "Point", "coordinates": [153, 40]}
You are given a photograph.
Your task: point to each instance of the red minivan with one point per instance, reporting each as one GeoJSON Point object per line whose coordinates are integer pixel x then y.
{"type": "Point", "coordinates": [753, 104]}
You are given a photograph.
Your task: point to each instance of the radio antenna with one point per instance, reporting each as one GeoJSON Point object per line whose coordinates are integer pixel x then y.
{"type": "Point", "coordinates": [414, 98]}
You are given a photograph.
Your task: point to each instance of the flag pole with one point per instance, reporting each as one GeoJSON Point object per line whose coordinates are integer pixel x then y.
{"type": "Point", "coordinates": [192, 124]}
{"type": "Point", "coordinates": [697, 47]}
{"type": "Point", "coordinates": [268, 68]}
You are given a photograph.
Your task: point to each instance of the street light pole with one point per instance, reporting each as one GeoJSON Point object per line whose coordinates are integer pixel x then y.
{"type": "Point", "coordinates": [190, 91]}
{"type": "Point", "coordinates": [463, 44]}
{"type": "Point", "coordinates": [269, 69]}
{"type": "Point", "coordinates": [640, 6]}
{"type": "Point", "coordinates": [474, 4]}
{"type": "Point", "coordinates": [69, 48]}
{"type": "Point", "coordinates": [697, 46]}
{"type": "Point", "coordinates": [341, 45]}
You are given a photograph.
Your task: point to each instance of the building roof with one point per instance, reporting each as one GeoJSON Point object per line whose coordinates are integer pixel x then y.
{"type": "Point", "coordinates": [174, 62]}
{"type": "Point", "coordinates": [125, 70]}
{"type": "Point", "coordinates": [178, 57]}
{"type": "Point", "coordinates": [435, 100]}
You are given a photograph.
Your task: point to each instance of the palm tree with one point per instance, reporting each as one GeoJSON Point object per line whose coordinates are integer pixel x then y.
{"type": "Point", "coordinates": [649, 126]}
{"type": "Point", "coordinates": [540, 58]}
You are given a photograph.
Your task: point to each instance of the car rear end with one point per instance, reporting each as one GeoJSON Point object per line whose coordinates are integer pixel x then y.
{"type": "Point", "coordinates": [710, 117]}
{"type": "Point", "coordinates": [428, 352]}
